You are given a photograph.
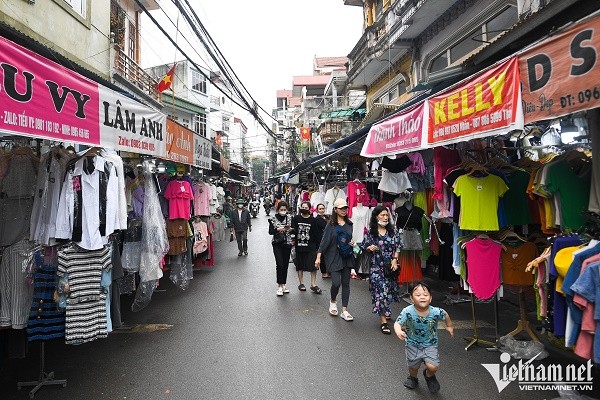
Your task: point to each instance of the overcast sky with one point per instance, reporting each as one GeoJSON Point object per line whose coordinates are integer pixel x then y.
{"type": "Point", "coordinates": [266, 42]}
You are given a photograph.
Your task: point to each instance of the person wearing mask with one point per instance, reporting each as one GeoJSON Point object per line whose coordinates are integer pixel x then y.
{"type": "Point", "coordinates": [280, 226]}
{"type": "Point", "coordinates": [336, 239]}
{"type": "Point", "coordinates": [306, 230]}
{"type": "Point", "coordinates": [321, 222]}
{"type": "Point", "coordinates": [382, 241]}
{"type": "Point", "coordinates": [241, 224]}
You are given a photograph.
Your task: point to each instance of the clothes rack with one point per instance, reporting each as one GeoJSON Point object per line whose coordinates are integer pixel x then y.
{"type": "Point", "coordinates": [475, 339]}
{"type": "Point", "coordinates": [523, 324]}
{"type": "Point", "coordinates": [44, 379]}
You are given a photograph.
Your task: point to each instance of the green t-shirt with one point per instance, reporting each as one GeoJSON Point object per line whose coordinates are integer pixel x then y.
{"type": "Point", "coordinates": [479, 201]}
{"type": "Point", "coordinates": [574, 194]}
{"type": "Point", "coordinates": [516, 202]}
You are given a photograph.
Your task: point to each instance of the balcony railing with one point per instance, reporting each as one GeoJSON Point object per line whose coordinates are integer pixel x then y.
{"type": "Point", "coordinates": [215, 101]}
{"type": "Point", "coordinates": [131, 71]}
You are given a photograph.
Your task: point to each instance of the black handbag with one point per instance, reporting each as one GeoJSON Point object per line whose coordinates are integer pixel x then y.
{"type": "Point", "coordinates": [279, 238]}
{"type": "Point", "coordinates": [387, 269]}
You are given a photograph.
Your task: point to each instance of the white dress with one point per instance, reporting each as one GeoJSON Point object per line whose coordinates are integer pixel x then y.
{"type": "Point", "coordinates": [361, 216]}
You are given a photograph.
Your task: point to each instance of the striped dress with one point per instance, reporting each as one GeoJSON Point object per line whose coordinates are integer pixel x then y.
{"type": "Point", "coordinates": [46, 320]}
{"type": "Point", "coordinates": [15, 293]}
{"type": "Point", "coordinates": [86, 305]}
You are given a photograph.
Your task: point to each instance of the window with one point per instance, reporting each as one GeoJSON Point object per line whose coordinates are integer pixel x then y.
{"type": "Point", "coordinates": [466, 46]}
{"type": "Point", "coordinates": [198, 82]}
{"type": "Point", "coordinates": [401, 88]}
{"type": "Point", "coordinates": [131, 42]}
{"type": "Point", "coordinates": [79, 6]}
{"type": "Point", "coordinates": [501, 22]}
{"type": "Point", "coordinates": [475, 39]}
{"type": "Point", "coordinates": [200, 124]}
{"type": "Point", "coordinates": [439, 63]}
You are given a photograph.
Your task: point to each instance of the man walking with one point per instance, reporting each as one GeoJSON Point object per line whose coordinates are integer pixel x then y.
{"type": "Point", "coordinates": [242, 223]}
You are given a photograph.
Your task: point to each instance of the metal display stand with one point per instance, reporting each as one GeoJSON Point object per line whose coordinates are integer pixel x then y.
{"type": "Point", "coordinates": [44, 379]}
{"type": "Point", "coordinates": [475, 339]}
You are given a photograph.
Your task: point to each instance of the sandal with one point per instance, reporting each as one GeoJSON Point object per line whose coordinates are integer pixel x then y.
{"type": "Point", "coordinates": [346, 316]}
{"type": "Point", "coordinates": [333, 309]}
{"type": "Point", "coordinates": [316, 289]}
{"type": "Point", "coordinates": [385, 329]}
{"type": "Point", "coordinates": [354, 275]}
{"type": "Point", "coordinates": [301, 287]}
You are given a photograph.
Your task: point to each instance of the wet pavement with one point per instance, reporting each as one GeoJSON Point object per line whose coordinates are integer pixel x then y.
{"type": "Point", "coordinates": [230, 337]}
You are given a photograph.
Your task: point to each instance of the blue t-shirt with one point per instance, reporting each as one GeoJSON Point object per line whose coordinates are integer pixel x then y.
{"type": "Point", "coordinates": [421, 330]}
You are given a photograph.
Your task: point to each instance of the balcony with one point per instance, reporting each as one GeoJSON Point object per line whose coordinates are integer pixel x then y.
{"type": "Point", "coordinates": [134, 74]}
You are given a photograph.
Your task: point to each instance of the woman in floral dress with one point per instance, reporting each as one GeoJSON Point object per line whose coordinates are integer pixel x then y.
{"type": "Point", "coordinates": [383, 242]}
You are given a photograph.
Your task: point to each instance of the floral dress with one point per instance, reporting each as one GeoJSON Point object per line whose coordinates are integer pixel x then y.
{"type": "Point", "coordinates": [384, 291]}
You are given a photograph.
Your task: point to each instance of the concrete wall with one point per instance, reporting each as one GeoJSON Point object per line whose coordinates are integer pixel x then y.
{"type": "Point", "coordinates": [55, 25]}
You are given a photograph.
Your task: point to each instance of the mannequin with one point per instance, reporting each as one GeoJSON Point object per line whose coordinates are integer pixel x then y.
{"type": "Point", "coordinates": [317, 198]}
{"type": "Point", "coordinates": [357, 192]}
{"type": "Point", "coordinates": [332, 195]}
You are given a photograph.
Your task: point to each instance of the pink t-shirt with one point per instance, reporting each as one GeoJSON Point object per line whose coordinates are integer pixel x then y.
{"type": "Point", "coordinates": [179, 194]}
{"type": "Point", "coordinates": [585, 341]}
{"type": "Point", "coordinates": [483, 267]}
{"type": "Point", "coordinates": [202, 197]}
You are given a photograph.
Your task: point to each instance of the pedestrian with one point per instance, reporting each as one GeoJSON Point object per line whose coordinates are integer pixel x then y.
{"type": "Point", "coordinates": [321, 221]}
{"type": "Point", "coordinates": [382, 241]}
{"type": "Point", "coordinates": [280, 226]}
{"type": "Point", "coordinates": [242, 223]}
{"type": "Point", "coordinates": [417, 324]}
{"type": "Point", "coordinates": [337, 246]}
{"type": "Point", "coordinates": [306, 230]}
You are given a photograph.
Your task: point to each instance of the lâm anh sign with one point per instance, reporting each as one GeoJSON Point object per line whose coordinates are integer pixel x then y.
{"type": "Point", "coordinates": [402, 133]}
{"type": "Point", "coordinates": [561, 74]}
{"type": "Point", "coordinates": [484, 105]}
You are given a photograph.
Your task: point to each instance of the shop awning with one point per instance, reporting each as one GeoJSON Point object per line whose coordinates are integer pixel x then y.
{"type": "Point", "coordinates": [345, 150]}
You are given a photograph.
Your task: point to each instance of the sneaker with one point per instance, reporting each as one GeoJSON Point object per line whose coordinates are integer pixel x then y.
{"type": "Point", "coordinates": [345, 315]}
{"type": "Point", "coordinates": [240, 254]}
{"type": "Point", "coordinates": [285, 289]}
{"type": "Point", "coordinates": [411, 382]}
{"type": "Point", "coordinates": [280, 291]}
{"type": "Point", "coordinates": [245, 253]}
{"type": "Point", "coordinates": [432, 383]}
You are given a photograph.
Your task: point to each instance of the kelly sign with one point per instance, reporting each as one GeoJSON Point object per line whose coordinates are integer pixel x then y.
{"type": "Point", "coordinates": [43, 99]}
{"type": "Point", "coordinates": [486, 104]}
{"type": "Point", "coordinates": [401, 133]}
{"type": "Point", "coordinates": [561, 74]}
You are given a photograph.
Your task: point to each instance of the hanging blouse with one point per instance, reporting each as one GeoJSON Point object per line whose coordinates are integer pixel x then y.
{"type": "Point", "coordinates": [180, 195]}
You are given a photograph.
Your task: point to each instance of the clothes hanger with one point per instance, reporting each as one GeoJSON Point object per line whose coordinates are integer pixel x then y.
{"type": "Point", "coordinates": [508, 234]}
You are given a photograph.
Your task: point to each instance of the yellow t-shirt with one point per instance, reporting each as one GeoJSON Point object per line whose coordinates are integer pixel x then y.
{"type": "Point", "coordinates": [479, 201]}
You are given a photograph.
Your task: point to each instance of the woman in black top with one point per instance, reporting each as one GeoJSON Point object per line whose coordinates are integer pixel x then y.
{"type": "Point", "coordinates": [306, 231]}
{"type": "Point", "coordinates": [321, 222]}
{"type": "Point", "coordinates": [339, 267]}
{"type": "Point", "coordinates": [280, 226]}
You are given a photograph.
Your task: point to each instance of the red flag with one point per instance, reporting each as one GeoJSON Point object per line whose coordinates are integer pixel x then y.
{"type": "Point", "coordinates": [165, 82]}
{"type": "Point", "coordinates": [305, 133]}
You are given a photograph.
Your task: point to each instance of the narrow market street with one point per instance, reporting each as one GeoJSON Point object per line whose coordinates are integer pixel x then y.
{"type": "Point", "coordinates": [230, 337]}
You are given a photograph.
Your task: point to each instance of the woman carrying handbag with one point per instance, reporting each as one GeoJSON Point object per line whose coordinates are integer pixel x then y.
{"type": "Point", "coordinates": [383, 244]}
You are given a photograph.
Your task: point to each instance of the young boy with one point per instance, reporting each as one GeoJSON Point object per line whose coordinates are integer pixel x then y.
{"type": "Point", "coordinates": [420, 321]}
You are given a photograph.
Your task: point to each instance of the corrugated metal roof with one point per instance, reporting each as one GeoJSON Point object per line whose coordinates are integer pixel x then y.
{"type": "Point", "coordinates": [331, 61]}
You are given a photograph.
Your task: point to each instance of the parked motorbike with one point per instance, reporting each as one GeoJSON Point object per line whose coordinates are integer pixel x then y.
{"type": "Point", "coordinates": [253, 209]}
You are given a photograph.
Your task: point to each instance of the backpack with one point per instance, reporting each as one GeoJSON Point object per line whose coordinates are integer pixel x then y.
{"type": "Point", "coordinates": [343, 243]}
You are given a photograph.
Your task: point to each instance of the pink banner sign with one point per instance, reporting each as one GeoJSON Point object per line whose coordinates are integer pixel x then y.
{"type": "Point", "coordinates": [43, 99]}
{"type": "Point", "coordinates": [399, 134]}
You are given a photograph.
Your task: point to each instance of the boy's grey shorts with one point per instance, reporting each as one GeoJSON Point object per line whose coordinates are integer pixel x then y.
{"type": "Point", "coordinates": [415, 355]}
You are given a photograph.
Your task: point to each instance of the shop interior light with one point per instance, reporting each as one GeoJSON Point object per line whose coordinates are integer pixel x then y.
{"type": "Point", "coordinates": [568, 131]}
{"type": "Point", "coordinates": [161, 167]}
